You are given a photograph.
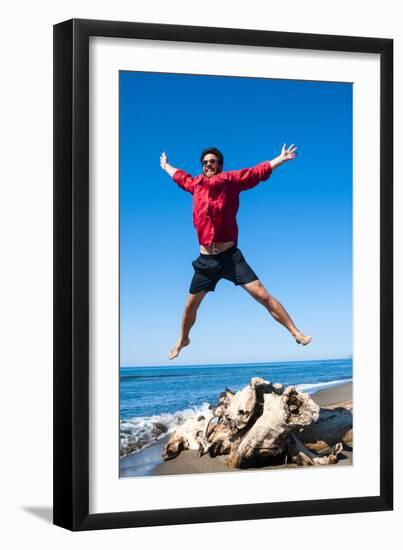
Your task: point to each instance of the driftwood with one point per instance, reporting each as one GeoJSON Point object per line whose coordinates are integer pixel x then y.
{"type": "Point", "coordinates": [265, 424]}
{"type": "Point", "coordinates": [334, 425]}
{"type": "Point", "coordinates": [267, 438]}
{"type": "Point", "coordinates": [190, 435]}
{"type": "Point", "coordinates": [302, 456]}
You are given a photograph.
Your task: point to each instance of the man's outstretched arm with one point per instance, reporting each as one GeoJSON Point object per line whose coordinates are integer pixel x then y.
{"type": "Point", "coordinates": [250, 177]}
{"type": "Point", "coordinates": [184, 180]}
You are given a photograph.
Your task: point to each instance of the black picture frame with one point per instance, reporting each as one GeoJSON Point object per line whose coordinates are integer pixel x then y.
{"type": "Point", "coordinates": [71, 274]}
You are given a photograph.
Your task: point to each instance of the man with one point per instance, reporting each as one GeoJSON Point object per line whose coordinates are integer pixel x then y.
{"type": "Point", "coordinates": [215, 205]}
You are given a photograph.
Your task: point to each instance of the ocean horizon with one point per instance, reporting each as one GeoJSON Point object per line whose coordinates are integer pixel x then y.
{"type": "Point", "coordinates": [217, 364]}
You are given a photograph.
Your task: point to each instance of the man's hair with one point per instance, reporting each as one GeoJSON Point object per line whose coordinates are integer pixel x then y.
{"type": "Point", "coordinates": [213, 151]}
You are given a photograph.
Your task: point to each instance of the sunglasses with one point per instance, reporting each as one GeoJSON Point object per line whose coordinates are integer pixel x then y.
{"type": "Point", "coordinates": [211, 161]}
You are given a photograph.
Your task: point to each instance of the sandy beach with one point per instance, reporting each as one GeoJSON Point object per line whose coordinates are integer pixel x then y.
{"type": "Point", "coordinates": [149, 461]}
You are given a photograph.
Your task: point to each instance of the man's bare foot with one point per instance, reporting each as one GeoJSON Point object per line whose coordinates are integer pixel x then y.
{"type": "Point", "coordinates": [176, 350]}
{"type": "Point", "coordinates": [302, 339]}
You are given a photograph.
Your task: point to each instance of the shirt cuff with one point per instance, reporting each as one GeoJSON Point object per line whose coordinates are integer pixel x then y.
{"type": "Point", "coordinates": [270, 168]}
{"type": "Point", "coordinates": [267, 169]}
{"type": "Point", "coordinates": [177, 176]}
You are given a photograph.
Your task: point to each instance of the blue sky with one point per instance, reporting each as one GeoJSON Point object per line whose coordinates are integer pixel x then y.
{"type": "Point", "coordinates": [295, 229]}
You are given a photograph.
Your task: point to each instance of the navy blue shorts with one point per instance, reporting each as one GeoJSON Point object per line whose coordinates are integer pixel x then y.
{"type": "Point", "coordinates": [210, 268]}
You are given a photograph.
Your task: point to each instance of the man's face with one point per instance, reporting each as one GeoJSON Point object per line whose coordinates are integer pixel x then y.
{"type": "Point", "coordinates": [211, 166]}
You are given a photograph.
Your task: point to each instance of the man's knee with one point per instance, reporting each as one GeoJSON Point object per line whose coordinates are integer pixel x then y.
{"type": "Point", "coordinates": [265, 298]}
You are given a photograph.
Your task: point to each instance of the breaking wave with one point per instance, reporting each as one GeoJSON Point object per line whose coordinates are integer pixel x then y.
{"type": "Point", "coordinates": [313, 388]}
{"type": "Point", "coordinates": [138, 433]}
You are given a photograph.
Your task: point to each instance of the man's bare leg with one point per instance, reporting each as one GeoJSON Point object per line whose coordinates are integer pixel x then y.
{"type": "Point", "coordinates": [188, 320]}
{"type": "Point", "coordinates": [273, 306]}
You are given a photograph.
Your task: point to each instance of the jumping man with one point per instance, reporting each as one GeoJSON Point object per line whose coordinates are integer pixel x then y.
{"type": "Point", "coordinates": [215, 205]}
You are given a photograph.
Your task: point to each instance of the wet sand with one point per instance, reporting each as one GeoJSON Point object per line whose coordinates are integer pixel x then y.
{"type": "Point", "coordinates": [341, 396]}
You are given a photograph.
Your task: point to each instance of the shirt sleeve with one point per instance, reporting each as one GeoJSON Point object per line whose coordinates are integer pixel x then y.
{"type": "Point", "coordinates": [247, 178]}
{"type": "Point", "coordinates": [184, 180]}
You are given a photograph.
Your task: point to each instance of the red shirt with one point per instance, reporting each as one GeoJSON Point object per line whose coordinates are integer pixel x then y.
{"type": "Point", "coordinates": [216, 200]}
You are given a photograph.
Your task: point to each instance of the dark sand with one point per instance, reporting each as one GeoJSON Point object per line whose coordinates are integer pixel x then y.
{"type": "Point", "coordinates": [341, 396]}
{"type": "Point", "coordinates": [149, 461]}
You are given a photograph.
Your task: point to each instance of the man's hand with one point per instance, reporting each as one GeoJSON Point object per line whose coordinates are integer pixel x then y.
{"type": "Point", "coordinates": [163, 160]}
{"type": "Point", "coordinates": [288, 154]}
{"type": "Point", "coordinates": [284, 156]}
{"type": "Point", "coordinates": [165, 164]}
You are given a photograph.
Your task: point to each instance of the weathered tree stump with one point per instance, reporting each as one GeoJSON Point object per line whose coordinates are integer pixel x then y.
{"type": "Point", "coordinates": [262, 424]}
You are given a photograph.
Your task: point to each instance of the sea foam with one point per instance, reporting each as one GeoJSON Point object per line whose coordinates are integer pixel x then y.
{"type": "Point", "coordinates": [313, 388]}
{"type": "Point", "coordinates": [138, 433]}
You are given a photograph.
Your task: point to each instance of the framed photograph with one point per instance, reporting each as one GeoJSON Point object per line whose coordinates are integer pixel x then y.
{"type": "Point", "coordinates": [223, 274]}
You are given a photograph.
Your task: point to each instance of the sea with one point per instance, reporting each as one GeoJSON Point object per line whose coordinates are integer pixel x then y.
{"type": "Point", "coordinates": [154, 401]}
